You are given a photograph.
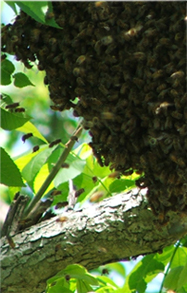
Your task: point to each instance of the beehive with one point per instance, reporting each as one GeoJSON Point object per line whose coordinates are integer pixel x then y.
{"type": "Point", "coordinates": [126, 63]}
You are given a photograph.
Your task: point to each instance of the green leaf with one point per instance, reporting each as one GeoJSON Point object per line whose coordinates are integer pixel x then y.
{"type": "Point", "coordinates": [10, 174]}
{"type": "Point", "coordinates": [149, 266]}
{"type": "Point", "coordinates": [10, 121]}
{"type": "Point", "coordinates": [28, 127]}
{"type": "Point", "coordinates": [51, 22]}
{"type": "Point", "coordinates": [76, 166]}
{"type": "Point", "coordinates": [30, 171]}
{"type": "Point", "coordinates": [21, 80]}
{"type": "Point", "coordinates": [6, 99]}
{"type": "Point", "coordinates": [7, 68]}
{"type": "Point", "coordinates": [34, 9]}
{"type": "Point", "coordinates": [12, 5]}
{"type": "Point", "coordinates": [180, 258]}
{"type": "Point", "coordinates": [83, 286]}
{"type": "Point", "coordinates": [107, 282]}
{"type": "Point", "coordinates": [183, 277]}
{"type": "Point", "coordinates": [59, 286]}
{"type": "Point", "coordinates": [120, 185]}
{"type": "Point", "coordinates": [171, 280]}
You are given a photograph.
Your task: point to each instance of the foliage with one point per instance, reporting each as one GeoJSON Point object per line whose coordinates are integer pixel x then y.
{"type": "Point", "coordinates": [32, 167]}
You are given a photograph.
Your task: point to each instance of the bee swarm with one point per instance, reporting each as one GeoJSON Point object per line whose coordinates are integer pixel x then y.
{"type": "Point", "coordinates": [126, 63]}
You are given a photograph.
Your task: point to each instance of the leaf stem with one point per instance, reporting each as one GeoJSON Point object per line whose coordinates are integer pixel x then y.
{"type": "Point", "coordinates": [173, 255]}
{"type": "Point", "coordinates": [54, 171]}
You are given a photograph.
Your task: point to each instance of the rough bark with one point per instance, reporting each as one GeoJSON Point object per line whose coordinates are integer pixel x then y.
{"type": "Point", "coordinates": [113, 230]}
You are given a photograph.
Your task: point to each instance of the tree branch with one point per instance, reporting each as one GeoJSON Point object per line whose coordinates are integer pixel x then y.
{"type": "Point", "coordinates": [114, 229]}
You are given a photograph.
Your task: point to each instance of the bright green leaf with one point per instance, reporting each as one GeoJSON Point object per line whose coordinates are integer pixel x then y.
{"type": "Point", "coordinates": [180, 258]}
{"type": "Point", "coordinates": [58, 287]}
{"type": "Point", "coordinates": [149, 266]}
{"type": "Point", "coordinates": [40, 178]}
{"type": "Point", "coordinates": [51, 21]}
{"type": "Point", "coordinates": [120, 185]}
{"type": "Point", "coordinates": [34, 9]}
{"type": "Point", "coordinates": [171, 280]}
{"type": "Point", "coordinates": [76, 166]}
{"type": "Point", "coordinates": [183, 277]}
{"type": "Point", "coordinates": [7, 68]}
{"type": "Point", "coordinates": [30, 171]}
{"type": "Point", "coordinates": [10, 174]}
{"type": "Point", "coordinates": [10, 121]}
{"type": "Point", "coordinates": [21, 80]}
{"type": "Point", "coordinates": [83, 286]}
{"type": "Point", "coordinates": [28, 127]}
{"type": "Point", "coordinates": [107, 281]}
{"type": "Point", "coordinates": [6, 99]}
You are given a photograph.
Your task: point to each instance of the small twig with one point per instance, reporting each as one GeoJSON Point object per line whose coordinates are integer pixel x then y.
{"type": "Point", "coordinates": [54, 171]}
{"type": "Point", "coordinates": [14, 215]}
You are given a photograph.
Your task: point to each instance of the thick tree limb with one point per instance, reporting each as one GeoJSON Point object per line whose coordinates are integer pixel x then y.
{"type": "Point", "coordinates": [117, 228]}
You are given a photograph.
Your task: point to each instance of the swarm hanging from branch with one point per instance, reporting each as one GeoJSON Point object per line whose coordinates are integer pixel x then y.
{"type": "Point", "coordinates": [126, 63]}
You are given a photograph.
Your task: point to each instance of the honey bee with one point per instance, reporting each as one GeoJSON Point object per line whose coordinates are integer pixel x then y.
{"type": "Point", "coordinates": [102, 249]}
{"type": "Point", "coordinates": [60, 205]}
{"type": "Point", "coordinates": [103, 90]}
{"type": "Point", "coordinates": [27, 64]}
{"type": "Point", "coordinates": [96, 196]}
{"type": "Point", "coordinates": [138, 82]}
{"type": "Point", "coordinates": [11, 241]}
{"type": "Point", "coordinates": [67, 277]}
{"type": "Point", "coordinates": [76, 71]}
{"type": "Point", "coordinates": [56, 192]}
{"type": "Point", "coordinates": [179, 37]}
{"type": "Point", "coordinates": [107, 115]}
{"type": "Point", "coordinates": [58, 247]}
{"type": "Point", "coordinates": [103, 136]}
{"type": "Point", "coordinates": [81, 59]}
{"type": "Point", "coordinates": [174, 93]}
{"type": "Point", "coordinates": [57, 59]}
{"type": "Point", "coordinates": [49, 15]}
{"type": "Point", "coordinates": [115, 174]}
{"type": "Point", "coordinates": [161, 87]}
{"type": "Point", "coordinates": [168, 123]}
{"type": "Point", "coordinates": [163, 105]}
{"type": "Point", "coordinates": [35, 35]}
{"type": "Point", "coordinates": [55, 108]}
{"type": "Point", "coordinates": [46, 81]}
{"type": "Point", "coordinates": [79, 192]}
{"type": "Point", "coordinates": [178, 75]}
{"type": "Point", "coordinates": [3, 57]}
{"type": "Point", "coordinates": [94, 179]}
{"type": "Point", "coordinates": [40, 66]}
{"type": "Point", "coordinates": [181, 162]}
{"type": "Point", "coordinates": [26, 136]}
{"type": "Point", "coordinates": [62, 219]}
{"type": "Point", "coordinates": [97, 47]}
{"type": "Point", "coordinates": [57, 141]}
{"type": "Point", "coordinates": [105, 41]}
{"type": "Point", "coordinates": [105, 272]}
{"type": "Point", "coordinates": [176, 115]}
{"type": "Point", "coordinates": [14, 39]}
{"type": "Point", "coordinates": [35, 148]}
{"type": "Point", "coordinates": [80, 91]}
{"type": "Point", "coordinates": [12, 106]}
{"type": "Point", "coordinates": [139, 56]}
{"type": "Point", "coordinates": [80, 81]}
{"type": "Point", "coordinates": [65, 165]}
{"type": "Point", "coordinates": [158, 74]}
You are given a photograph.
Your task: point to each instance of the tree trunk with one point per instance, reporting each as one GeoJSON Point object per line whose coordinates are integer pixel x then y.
{"type": "Point", "coordinates": [115, 229]}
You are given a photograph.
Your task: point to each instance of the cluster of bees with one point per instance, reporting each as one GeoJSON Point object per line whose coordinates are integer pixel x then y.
{"type": "Point", "coordinates": [126, 63]}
